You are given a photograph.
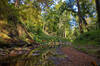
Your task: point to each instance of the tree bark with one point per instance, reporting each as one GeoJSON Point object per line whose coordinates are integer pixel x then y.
{"type": "Point", "coordinates": [98, 12]}
{"type": "Point", "coordinates": [83, 19]}
{"type": "Point", "coordinates": [65, 33]}
{"type": "Point", "coordinates": [85, 22]}
{"type": "Point", "coordinates": [79, 15]}
{"type": "Point", "coordinates": [16, 3]}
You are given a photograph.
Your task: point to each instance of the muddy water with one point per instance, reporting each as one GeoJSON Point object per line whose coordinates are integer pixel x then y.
{"type": "Point", "coordinates": [20, 63]}
{"type": "Point", "coordinates": [24, 62]}
{"type": "Point", "coordinates": [34, 60]}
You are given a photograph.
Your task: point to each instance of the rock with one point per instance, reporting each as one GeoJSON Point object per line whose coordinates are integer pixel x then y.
{"type": "Point", "coordinates": [12, 53]}
{"type": "Point", "coordinates": [18, 49]}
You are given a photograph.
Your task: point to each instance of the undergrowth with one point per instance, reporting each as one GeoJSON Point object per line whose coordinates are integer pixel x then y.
{"type": "Point", "coordinates": [88, 38]}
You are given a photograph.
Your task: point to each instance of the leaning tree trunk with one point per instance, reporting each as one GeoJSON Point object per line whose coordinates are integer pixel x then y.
{"type": "Point", "coordinates": [20, 28]}
{"type": "Point", "coordinates": [98, 12]}
{"type": "Point", "coordinates": [85, 23]}
{"type": "Point", "coordinates": [79, 15]}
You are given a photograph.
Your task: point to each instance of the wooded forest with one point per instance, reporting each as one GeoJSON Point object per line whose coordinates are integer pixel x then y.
{"type": "Point", "coordinates": [49, 32]}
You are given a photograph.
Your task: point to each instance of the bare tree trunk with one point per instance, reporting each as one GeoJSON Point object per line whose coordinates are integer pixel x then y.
{"type": "Point", "coordinates": [98, 12]}
{"type": "Point", "coordinates": [79, 15]}
{"type": "Point", "coordinates": [16, 3]}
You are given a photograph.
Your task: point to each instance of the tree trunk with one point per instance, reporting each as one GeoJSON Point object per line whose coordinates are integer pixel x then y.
{"type": "Point", "coordinates": [65, 33]}
{"type": "Point", "coordinates": [16, 3]}
{"type": "Point", "coordinates": [98, 12]}
{"type": "Point", "coordinates": [79, 15]}
{"type": "Point", "coordinates": [85, 22]}
{"type": "Point", "coordinates": [22, 30]}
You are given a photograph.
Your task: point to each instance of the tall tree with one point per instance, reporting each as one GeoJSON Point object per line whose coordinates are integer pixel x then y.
{"type": "Point", "coordinates": [79, 15]}
{"type": "Point", "coordinates": [85, 8]}
{"type": "Point", "coordinates": [98, 12]}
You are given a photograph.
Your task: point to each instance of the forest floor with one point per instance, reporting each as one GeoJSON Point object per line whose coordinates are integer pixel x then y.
{"type": "Point", "coordinates": [73, 57]}
{"type": "Point", "coordinates": [76, 58]}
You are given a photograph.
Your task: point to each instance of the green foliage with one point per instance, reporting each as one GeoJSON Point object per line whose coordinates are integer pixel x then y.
{"type": "Point", "coordinates": [42, 38]}
{"type": "Point", "coordinates": [48, 23]}
{"type": "Point", "coordinates": [55, 20]}
{"type": "Point", "coordinates": [92, 37]}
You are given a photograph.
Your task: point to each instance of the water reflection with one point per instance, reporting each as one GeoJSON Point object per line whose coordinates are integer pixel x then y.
{"type": "Point", "coordinates": [33, 58]}
{"type": "Point", "coordinates": [41, 56]}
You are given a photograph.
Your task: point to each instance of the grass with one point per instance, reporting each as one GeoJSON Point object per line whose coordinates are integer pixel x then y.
{"type": "Point", "coordinates": [48, 38]}
{"type": "Point", "coordinates": [90, 38]}
{"type": "Point", "coordinates": [88, 42]}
